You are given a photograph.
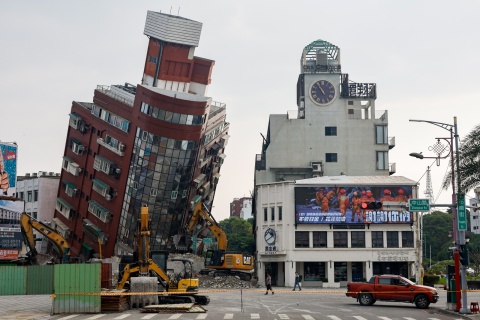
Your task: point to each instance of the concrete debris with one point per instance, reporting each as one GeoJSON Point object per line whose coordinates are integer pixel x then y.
{"type": "Point", "coordinates": [228, 282]}
{"type": "Point", "coordinates": [211, 282]}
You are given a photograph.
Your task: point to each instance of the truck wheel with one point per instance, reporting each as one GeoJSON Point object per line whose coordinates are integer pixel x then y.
{"type": "Point", "coordinates": [365, 299]}
{"type": "Point", "coordinates": [422, 302]}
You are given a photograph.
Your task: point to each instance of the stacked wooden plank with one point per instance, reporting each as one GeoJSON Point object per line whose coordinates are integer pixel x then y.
{"type": "Point", "coordinates": [114, 300]}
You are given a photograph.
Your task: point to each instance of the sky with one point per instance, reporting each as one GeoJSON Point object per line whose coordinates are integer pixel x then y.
{"type": "Point", "coordinates": [423, 56]}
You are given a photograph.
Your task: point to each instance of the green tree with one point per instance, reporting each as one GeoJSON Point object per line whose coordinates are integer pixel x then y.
{"type": "Point", "coordinates": [469, 167]}
{"type": "Point", "coordinates": [239, 234]}
{"type": "Point", "coordinates": [437, 227]}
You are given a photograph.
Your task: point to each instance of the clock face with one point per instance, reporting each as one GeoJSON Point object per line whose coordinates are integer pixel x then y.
{"type": "Point", "coordinates": [270, 236]}
{"type": "Point", "coordinates": [322, 92]}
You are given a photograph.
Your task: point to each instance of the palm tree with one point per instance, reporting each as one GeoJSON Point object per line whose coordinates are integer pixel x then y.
{"type": "Point", "coordinates": [469, 168]}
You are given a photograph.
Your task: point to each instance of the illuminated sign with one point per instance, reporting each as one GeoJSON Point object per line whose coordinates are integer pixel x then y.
{"type": "Point", "coordinates": [343, 205]}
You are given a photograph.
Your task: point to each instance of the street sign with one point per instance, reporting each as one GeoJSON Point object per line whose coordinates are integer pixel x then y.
{"type": "Point", "coordinates": [461, 212]}
{"type": "Point", "coordinates": [419, 204]}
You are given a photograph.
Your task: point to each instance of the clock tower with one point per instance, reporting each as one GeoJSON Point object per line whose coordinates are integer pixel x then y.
{"type": "Point", "coordinates": [336, 129]}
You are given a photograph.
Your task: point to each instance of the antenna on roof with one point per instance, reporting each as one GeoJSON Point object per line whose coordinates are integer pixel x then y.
{"type": "Point", "coordinates": [170, 10]}
{"type": "Point", "coordinates": [178, 13]}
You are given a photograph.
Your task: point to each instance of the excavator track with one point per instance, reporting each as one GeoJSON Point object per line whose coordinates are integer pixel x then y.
{"type": "Point", "coordinates": [202, 300]}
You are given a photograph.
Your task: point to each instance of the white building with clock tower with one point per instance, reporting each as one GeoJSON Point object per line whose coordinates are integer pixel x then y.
{"type": "Point", "coordinates": [336, 133]}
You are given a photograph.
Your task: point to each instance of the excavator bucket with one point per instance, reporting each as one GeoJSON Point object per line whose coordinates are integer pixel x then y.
{"type": "Point", "coordinates": [182, 242]}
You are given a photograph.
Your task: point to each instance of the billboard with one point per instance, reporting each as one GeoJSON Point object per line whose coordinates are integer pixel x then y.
{"type": "Point", "coordinates": [343, 205]}
{"type": "Point", "coordinates": [10, 232]}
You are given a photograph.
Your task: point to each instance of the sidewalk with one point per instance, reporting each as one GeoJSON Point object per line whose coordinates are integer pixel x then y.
{"type": "Point", "coordinates": [32, 307]}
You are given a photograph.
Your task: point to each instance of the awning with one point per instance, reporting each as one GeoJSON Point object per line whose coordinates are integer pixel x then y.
{"type": "Point", "coordinates": [98, 206]}
{"type": "Point", "coordinates": [223, 156]}
{"type": "Point", "coordinates": [216, 146]}
{"type": "Point", "coordinates": [88, 223]}
{"type": "Point", "coordinates": [100, 184]}
{"type": "Point", "coordinates": [67, 159]}
{"type": "Point", "coordinates": [216, 175]}
{"type": "Point", "coordinates": [200, 178]}
{"type": "Point", "coordinates": [103, 159]}
{"type": "Point", "coordinates": [74, 115]}
{"type": "Point", "coordinates": [64, 203]}
{"type": "Point", "coordinates": [70, 185]}
{"type": "Point", "coordinates": [60, 224]}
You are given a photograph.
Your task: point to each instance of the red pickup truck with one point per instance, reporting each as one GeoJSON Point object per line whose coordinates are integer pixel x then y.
{"type": "Point", "coordinates": [391, 288]}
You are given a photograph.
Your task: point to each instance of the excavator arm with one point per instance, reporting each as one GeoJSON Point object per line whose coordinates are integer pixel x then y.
{"type": "Point", "coordinates": [28, 224]}
{"type": "Point", "coordinates": [199, 212]}
{"type": "Point", "coordinates": [145, 264]}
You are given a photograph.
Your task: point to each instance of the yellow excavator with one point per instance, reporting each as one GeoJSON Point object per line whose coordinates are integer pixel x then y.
{"type": "Point", "coordinates": [29, 224]}
{"type": "Point", "coordinates": [183, 286]}
{"type": "Point", "coordinates": [220, 260]}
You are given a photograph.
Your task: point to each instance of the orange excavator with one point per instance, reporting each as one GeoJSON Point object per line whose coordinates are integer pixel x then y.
{"type": "Point", "coordinates": [221, 261]}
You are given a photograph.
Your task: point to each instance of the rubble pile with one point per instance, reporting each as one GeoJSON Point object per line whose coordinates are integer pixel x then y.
{"type": "Point", "coordinates": [228, 282]}
{"type": "Point", "coordinates": [211, 282]}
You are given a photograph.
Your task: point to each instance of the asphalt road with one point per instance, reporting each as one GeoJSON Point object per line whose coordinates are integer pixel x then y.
{"type": "Point", "coordinates": [308, 304]}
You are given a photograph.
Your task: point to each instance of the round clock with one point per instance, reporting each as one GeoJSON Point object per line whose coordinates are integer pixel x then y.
{"type": "Point", "coordinates": [270, 236]}
{"type": "Point", "coordinates": [322, 92]}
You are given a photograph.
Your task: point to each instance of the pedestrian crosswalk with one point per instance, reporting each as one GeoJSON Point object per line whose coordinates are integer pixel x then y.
{"type": "Point", "coordinates": [226, 316]}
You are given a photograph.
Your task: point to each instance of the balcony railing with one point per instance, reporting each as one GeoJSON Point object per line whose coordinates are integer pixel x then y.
{"type": "Point", "coordinates": [391, 142]}
{"type": "Point", "coordinates": [109, 147]}
{"type": "Point", "coordinates": [107, 90]}
{"type": "Point", "coordinates": [392, 168]}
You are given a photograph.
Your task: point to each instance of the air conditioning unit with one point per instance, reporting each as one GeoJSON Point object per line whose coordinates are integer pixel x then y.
{"type": "Point", "coordinates": [118, 170]}
{"type": "Point", "coordinates": [75, 192]}
{"type": "Point", "coordinates": [108, 197]}
{"type": "Point", "coordinates": [121, 147]}
{"type": "Point", "coordinates": [317, 167]}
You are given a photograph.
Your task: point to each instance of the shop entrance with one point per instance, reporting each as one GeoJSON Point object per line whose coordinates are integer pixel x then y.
{"type": "Point", "coordinates": [400, 268]}
{"type": "Point", "coordinates": [272, 268]}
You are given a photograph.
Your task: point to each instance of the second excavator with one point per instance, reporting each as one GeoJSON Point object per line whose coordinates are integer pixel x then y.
{"type": "Point", "coordinates": [220, 261]}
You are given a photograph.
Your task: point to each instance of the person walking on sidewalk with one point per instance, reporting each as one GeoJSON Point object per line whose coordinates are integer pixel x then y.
{"type": "Point", "coordinates": [297, 282]}
{"type": "Point", "coordinates": [268, 282]}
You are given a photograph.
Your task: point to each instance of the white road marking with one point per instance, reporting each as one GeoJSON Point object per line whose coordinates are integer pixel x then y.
{"type": "Point", "coordinates": [149, 316]}
{"type": "Point", "coordinates": [385, 318]}
{"type": "Point", "coordinates": [359, 318]}
{"type": "Point", "coordinates": [228, 316]}
{"type": "Point", "coordinates": [96, 317]}
{"type": "Point", "coordinates": [254, 316]}
{"type": "Point", "coordinates": [69, 317]}
{"type": "Point", "coordinates": [175, 316]}
{"type": "Point", "coordinates": [202, 316]}
{"type": "Point", "coordinates": [334, 317]}
{"type": "Point", "coordinates": [283, 316]}
{"type": "Point", "coordinates": [123, 316]}
{"type": "Point", "coordinates": [308, 317]}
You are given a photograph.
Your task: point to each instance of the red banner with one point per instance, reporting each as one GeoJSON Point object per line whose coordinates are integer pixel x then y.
{"type": "Point", "coordinates": [6, 254]}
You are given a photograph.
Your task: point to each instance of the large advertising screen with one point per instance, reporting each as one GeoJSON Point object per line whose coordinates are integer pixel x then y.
{"type": "Point", "coordinates": [343, 205]}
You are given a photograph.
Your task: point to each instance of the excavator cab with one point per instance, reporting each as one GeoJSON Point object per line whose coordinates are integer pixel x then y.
{"type": "Point", "coordinates": [214, 258]}
{"type": "Point", "coordinates": [182, 280]}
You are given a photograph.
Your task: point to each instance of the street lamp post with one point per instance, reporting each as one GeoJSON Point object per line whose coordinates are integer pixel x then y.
{"type": "Point", "coordinates": [458, 235]}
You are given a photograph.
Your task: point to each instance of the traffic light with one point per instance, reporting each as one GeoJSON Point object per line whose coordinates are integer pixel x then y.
{"type": "Point", "coordinates": [372, 205]}
{"type": "Point", "coordinates": [463, 251]}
